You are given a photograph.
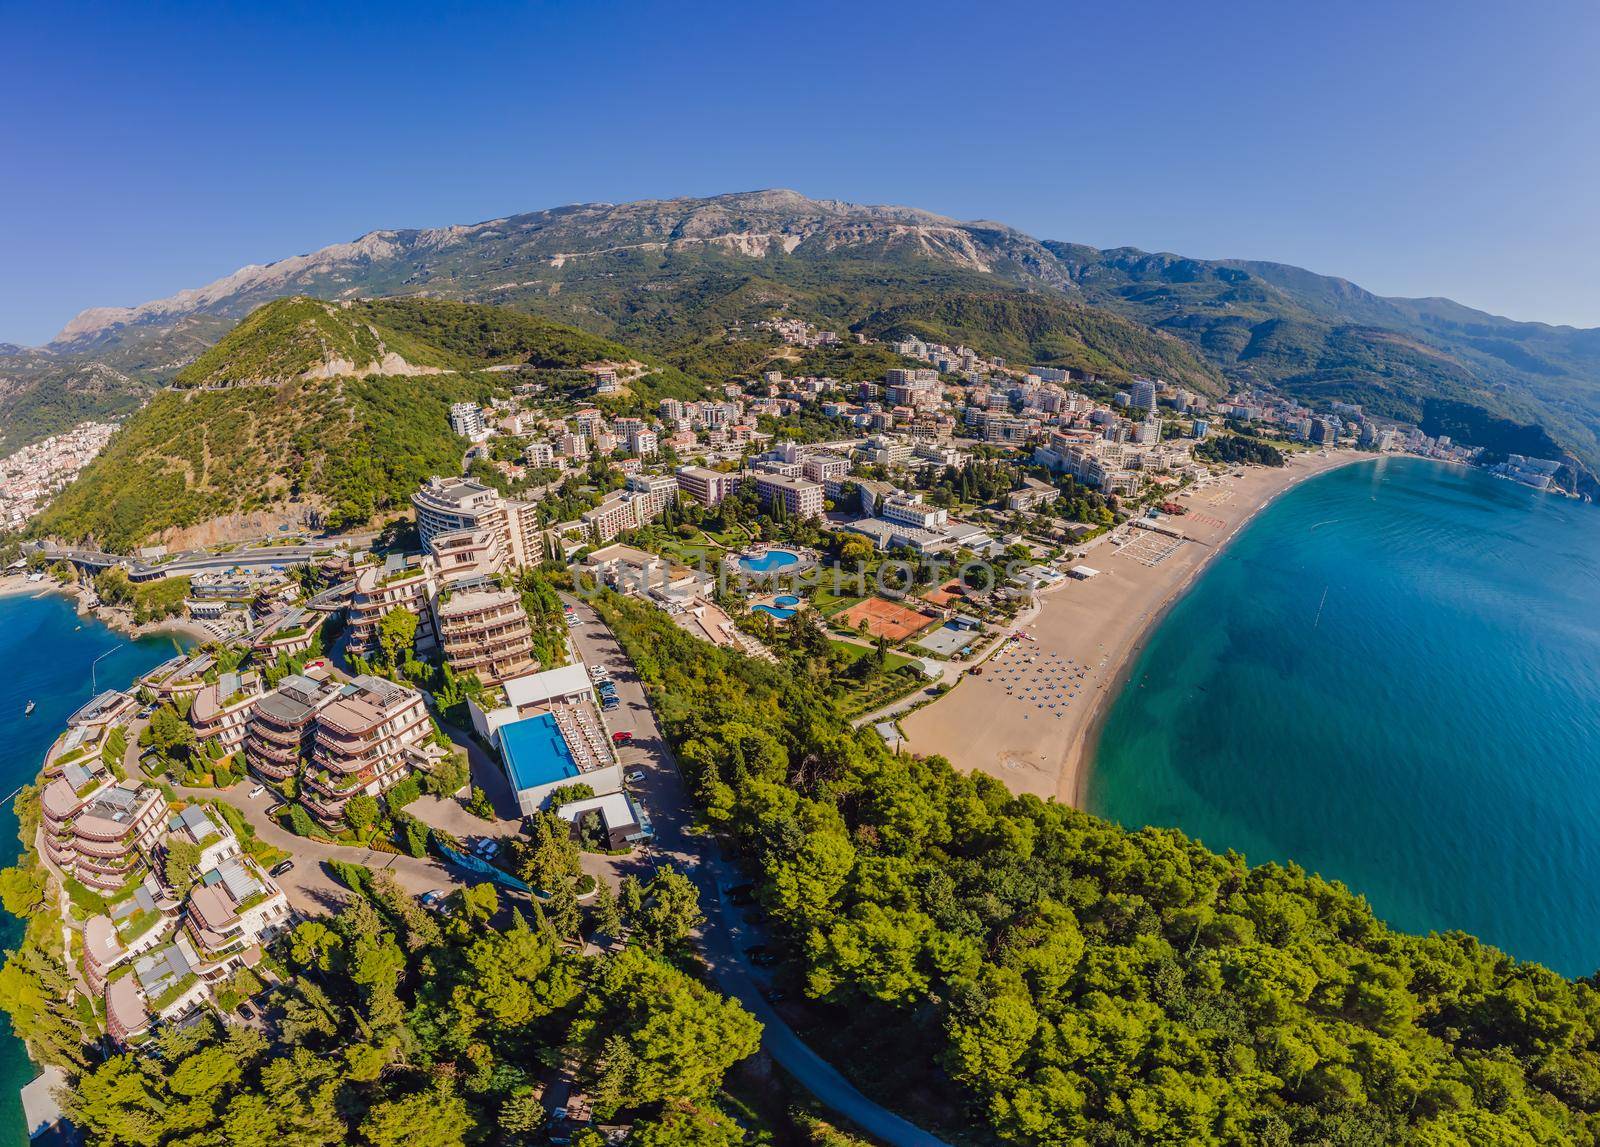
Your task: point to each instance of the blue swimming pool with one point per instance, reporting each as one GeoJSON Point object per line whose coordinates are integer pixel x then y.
{"type": "Point", "coordinates": [769, 561]}
{"type": "Point", "coordinates": [786, 599]}
{"type": "Point", "coordinates": [535, 752]}
{"type": "Point", "coordinates": [780, 614]}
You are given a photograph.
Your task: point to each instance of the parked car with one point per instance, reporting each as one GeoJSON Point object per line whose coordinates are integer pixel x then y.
{"type": "Point", "coordinates": [635, 777]}
{"type": "Point", "coordinates": [146, 711]}
{"type": "Point", "coordinates": [621, 738]}
{"type": "Point", "coordinates": [246, 1011]}
{"type": "Point", "coordinates": [278, 809]}
{"type": "Point", "coordinates": [280, 869]}
{"type": "Point", "coordinates": [257, 791]}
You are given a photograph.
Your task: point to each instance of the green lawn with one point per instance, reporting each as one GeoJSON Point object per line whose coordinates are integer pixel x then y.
{"type": "Point", "coordinates": [856, 652]}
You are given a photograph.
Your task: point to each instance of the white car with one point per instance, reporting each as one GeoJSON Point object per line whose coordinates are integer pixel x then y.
{"type": "Point", "coordinates": [635, 777]}
{"type": "Point", "coordinates": [257, 791]}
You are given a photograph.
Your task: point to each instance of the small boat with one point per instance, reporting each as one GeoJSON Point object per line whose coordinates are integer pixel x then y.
{"type": "Point", "coordinates": [28, 710]}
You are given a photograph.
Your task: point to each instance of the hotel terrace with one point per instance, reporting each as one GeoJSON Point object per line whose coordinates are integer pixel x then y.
{"type": "Point", "coordinates": [363, 743]}
{"type": "Point", "coordinates": [486, 633]}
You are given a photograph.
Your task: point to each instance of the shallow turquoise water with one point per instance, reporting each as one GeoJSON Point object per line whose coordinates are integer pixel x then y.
{"type": "Point", "coordinates": [49, 660]}
{"type": "Point", "coordinates": [1392, 677]}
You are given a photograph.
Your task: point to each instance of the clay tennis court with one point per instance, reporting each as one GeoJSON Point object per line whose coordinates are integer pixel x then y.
{"type": "Point", "coordinates": [886, 619]}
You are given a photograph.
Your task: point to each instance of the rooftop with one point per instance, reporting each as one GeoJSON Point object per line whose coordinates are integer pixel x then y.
{"type": "Point", "coordinates": [537, 688]}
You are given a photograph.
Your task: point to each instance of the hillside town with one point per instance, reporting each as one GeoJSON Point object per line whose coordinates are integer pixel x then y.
{"type": "Point", "coordinates": [31, 476]}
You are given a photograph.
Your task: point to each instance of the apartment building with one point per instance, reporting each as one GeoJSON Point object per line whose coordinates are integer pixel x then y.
{"type": "Point", "coordinates": [821, 468]}
{"type": "Point", "coordinates": [657, 490]}
{"type": "Point", "coordinates": [233, 909]}
{"type": "Point", "coordinates": [613, 515]}
{"type": "Point", "coordinates": [470, 530]}
{"type": "Point", "coordinates": [100, 834]}
{"type": "Point", "coordinates": [221, 711]}
{"type": "Point", "coordinates": [799, 498]}
{"type": "Point", "coordinates": [363, 743]}
{"type": "Point", "coordinates": [282, 723]}
{"type": "Point", "coordinates": [466, 419]}
{"type": "Point", "coordinates": [485, 633]}
{"type": "Point", "coordinates": [287, 632]}
{"type": "Point", "coordinates": [165, 984]}
{"type": "Point", "coordinates": [396, 584]}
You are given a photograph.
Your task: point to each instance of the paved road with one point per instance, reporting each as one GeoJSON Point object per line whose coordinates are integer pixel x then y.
{"type": "Point", "coordinates": [310, 885]}
{"type": "Point", "coordinates": [726, 933]}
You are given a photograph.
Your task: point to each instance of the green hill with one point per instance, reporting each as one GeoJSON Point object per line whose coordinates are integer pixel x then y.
{"type": "Point", "coordinates": [315, 409]}
{"type": "Point", "coordinates": [306, 338]}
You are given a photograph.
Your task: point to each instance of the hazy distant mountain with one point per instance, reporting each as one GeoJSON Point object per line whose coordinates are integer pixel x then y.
{"type": "Point", "coordinates": [670, 276]}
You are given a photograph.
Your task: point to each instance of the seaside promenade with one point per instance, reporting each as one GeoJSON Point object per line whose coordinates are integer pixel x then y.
{"type": "Point", "coordinates": [1029, 719]}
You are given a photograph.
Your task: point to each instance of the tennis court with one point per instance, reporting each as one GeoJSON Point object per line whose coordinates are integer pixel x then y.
{"type": "Point", "coordinates": [886, 619]}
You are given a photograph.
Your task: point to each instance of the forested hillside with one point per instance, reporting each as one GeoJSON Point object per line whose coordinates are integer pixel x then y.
{"type": "Point", "coordinates": [1058, 980]}
{"type": "Point", "coordinates": [336, 412]}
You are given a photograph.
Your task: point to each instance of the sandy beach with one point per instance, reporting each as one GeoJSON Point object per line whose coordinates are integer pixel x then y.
{"type": "Point", "coordinates": [1030, 718]}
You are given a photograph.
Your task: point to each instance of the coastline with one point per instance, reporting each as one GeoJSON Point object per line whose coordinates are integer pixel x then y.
{"type": "Point", "coordinates": [1098, 627]}
{"type": "Point", "coordinates": [116, 620]}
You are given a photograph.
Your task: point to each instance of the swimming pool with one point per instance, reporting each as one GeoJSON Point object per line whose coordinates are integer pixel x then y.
{"type": "Point", "coordinates": [769, 561]}
{"type": "Point", "coordinates": [780, 614]}
{"type": "Point", "coordinates": [786, 599]}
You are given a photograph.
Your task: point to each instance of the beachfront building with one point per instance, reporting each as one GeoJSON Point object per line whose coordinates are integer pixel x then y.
{"type": "Point", "coordinates": [130, 928]}
{"type": "Point", "coordinates": [485, 633]}
{"type": "Point", "coordinates": [221, 712]}
{"type": "Point", "coordinates": [282, 724]}
{"type": "Point", "coordinates": [97, 715]}
{"type": "Point", "coordinates": [365, 741]}
{"type": "Point", "coordinates": [177, 677]}
{"type": "Point", "coordinates": [165, 984]}
{"type": "Point", "coordinates": [101, 834]}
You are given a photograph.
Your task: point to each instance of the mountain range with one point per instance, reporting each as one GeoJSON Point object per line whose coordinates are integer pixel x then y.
{"type": "Point", "coordinates": [672, 277]}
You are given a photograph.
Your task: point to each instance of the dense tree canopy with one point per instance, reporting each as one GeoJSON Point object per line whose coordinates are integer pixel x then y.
{"type": "Point", "coordinates": [1085, 983]}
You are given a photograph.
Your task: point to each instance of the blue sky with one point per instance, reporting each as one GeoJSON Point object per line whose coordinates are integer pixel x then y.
{"type": "Point", "coordinates": [1416, 148]}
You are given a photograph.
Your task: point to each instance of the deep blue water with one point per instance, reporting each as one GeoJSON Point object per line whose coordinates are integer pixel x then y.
{"type": "Point", "coordinates": [1392, 677]}
{"type": "Point", "coordinates": [45, 657]}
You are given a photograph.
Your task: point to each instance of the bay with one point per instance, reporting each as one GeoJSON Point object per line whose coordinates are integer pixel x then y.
{"type": "Point", "coordinates": [1392, 678]}
{"type": "Point", "coordinates": [58, 660]}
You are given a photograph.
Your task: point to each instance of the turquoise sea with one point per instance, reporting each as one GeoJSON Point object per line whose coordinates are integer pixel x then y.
{"type": "Point", "coordinates": [1392, 677]}
{"type": "Point", "coordinates": [52, 657]}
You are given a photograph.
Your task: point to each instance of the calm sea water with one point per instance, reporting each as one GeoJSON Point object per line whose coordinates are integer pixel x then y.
{"type": "Point", "coordinates": [1392, 677]}
{"type": "Point", "coordinates": [49, 656]}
